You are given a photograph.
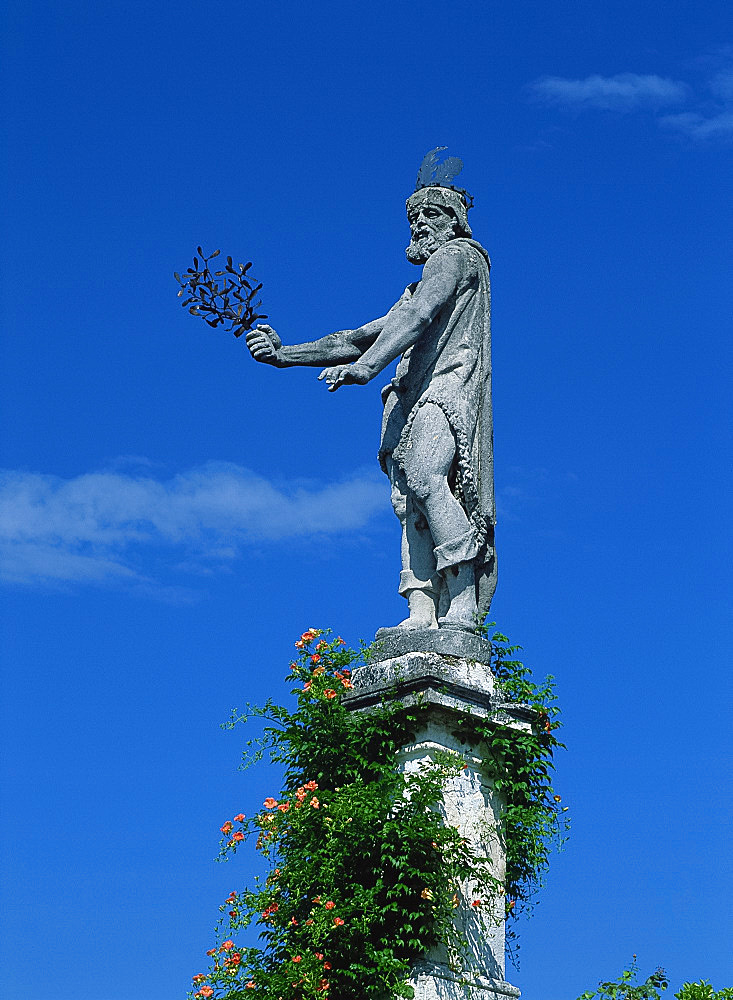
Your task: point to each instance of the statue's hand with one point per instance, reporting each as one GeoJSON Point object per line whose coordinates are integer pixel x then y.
{"type": "Point", "coordinates": [354, 374]}
{"type": "Point", "coordinates": [264, 345]}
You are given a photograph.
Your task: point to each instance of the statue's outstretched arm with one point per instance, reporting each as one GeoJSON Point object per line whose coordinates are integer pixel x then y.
{"type": "Point", "coordinates": [335, 348]}
{"type": "Point", "coordinates": [403, 327]}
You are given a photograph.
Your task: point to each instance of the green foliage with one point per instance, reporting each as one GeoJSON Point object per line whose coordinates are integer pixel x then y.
{"type": "Point", "coordinates": [365, 876]}
{"type": "Point", "coordinates": [626, 988]}
{"type": "Point", "coordinates": [703, 991]}
{"type": "Point", "coordinates": [231, 301]}
{"type": "Point", "coordinates": [521, 765]}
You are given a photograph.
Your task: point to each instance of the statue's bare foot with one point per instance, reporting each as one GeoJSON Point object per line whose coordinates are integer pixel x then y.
{"type": "Point", "coordinates": [421, 617]}
{"type": "Point", "coordinates": [411, 624]}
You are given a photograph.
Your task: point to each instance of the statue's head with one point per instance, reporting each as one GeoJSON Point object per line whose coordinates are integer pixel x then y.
{"type": "Point", "coordinates": [436, 215]}
{"type": "Point", "coordinates": [437, 212]}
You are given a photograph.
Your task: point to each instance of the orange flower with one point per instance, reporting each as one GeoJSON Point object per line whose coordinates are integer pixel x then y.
{"type": "Point", "coordinates": [297, 958]}
{"type": "Point", "coordinates": [315, 658]}
{"type": "Point", "coordinates": [300, 794]}
{"type": "Point", "coordinates": [233, 914]}
{"type": "Point", "coordinates": [347, 684]}
{"type": "Point", "coordinates": [293, 922]}
{"type": "Point", "coordinates": [211, 951]}
{"type": "Point", "coordinates": [327, 966]}
{"type": "Point", "coordinates": [310, 786]}
{"type": "Point", "coordinates": [319, 956]}
{"type": "Point", "coordinates": [337, 922]}
{"type": "Point", "coordinates": [283, 807]}
{"type": "Point", "coordinates": [318, 671]}
{"type": "Point", "coordinates": [270, 803]}
{"type": "Point", "coordinates": [299, 644]}
{"type": "Point", "coordinates": [200, 978]}
{"type": "Point", "coordinates": [476, 902]}
{"type": "Point", "coordinates": [307, 686]}
{"type": "Point", "coordinates": [227, 946]}
{"type": "Point", "coordinates": [309, 923]}
{"type": "Point", "coordinates": [330, 904]}
{"type": "Point", "coordinates": [227, 827]}
{"type": "Point", "coordinates": [205, 991]}
{"type": "Point", "coordinates": [315, 803]}
{"type": "Point", "coordinates": [250, 985]}
{"type": "Point", "coordinates": [239, 818]}
{"type": "Point", "coordinates": [329, 693]}
{"type": "Point", "coordinates": [238, 835]}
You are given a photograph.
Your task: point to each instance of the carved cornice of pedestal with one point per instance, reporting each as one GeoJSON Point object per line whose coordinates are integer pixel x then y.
{"type": "Point", "coordinates": [446, 680]}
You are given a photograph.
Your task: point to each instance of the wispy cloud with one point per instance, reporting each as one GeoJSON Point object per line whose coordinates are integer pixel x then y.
{"type": "Point", "coordinates": [709, 111]}
{"type": "Point", "coordinates": [713, 118]}
{"type": "Point", "coordinates": [697, 126]}
{"type": "Point", "coordinates": [622, 92]}
{"type": "Point", "coordinates": [111, 526]}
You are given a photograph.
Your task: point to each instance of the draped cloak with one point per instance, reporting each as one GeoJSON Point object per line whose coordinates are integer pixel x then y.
{"type": "Point", "coordinates": [450, 366]}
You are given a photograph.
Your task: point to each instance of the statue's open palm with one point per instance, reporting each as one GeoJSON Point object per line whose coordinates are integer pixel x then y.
{"type": "Point", "coordinates": [353, 374]}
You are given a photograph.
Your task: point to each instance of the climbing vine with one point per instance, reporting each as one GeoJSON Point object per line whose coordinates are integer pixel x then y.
{"type": "Point", "coordinates": [364, 876]}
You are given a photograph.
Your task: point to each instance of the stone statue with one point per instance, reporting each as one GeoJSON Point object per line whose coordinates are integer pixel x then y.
{"type": "Point", "coordinates": [436, 445]}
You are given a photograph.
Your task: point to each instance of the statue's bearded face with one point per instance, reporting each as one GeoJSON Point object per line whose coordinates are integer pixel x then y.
{"type": "Point", "coordinates": [431, 227]}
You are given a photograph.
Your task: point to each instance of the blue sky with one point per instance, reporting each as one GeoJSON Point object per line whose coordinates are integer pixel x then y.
{"type": "Point", "coordinates": [173, 515]}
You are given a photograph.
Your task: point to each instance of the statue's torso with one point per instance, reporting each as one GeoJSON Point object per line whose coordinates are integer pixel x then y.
{"type": "Point", "coordinates": [449, 355]}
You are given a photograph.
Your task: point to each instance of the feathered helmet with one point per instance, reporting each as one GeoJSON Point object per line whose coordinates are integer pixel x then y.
{"type": "Point", "coordinates": [434, 187]}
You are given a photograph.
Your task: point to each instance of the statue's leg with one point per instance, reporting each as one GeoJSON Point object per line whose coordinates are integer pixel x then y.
{"type": "Point", "coordinates": [419, 582]}
{"type": "Point", "coordinates": [428, 459]}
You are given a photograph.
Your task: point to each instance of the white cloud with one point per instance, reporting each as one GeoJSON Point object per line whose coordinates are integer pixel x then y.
{"type": "Point", "coordinates": [708, 116]}
{"type": "Point", "coordinates": [716, 126]}
{"type": "Point", "coordinates": [623, 92]}
{"type": "Point", "coordinates": [102, 526]}
{"type": "Point", "coordinates": [713, 118]}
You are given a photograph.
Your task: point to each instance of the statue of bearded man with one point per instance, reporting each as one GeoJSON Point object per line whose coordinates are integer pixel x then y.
{"type": "Point", "coordinates": [437, 442]}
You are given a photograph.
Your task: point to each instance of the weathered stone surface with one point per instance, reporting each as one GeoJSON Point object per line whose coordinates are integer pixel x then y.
{"type": "Point", "coordinates": [451, 683]}
{"type": "Point", "coordinates": [393, 642]}
{"type": "Point", "coordinates": [472, 805]}
{"type": "Point", "coordinates": [433, 981]}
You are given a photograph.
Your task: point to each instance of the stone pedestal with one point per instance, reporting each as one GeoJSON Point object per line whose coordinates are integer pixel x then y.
{"type": "Point", "coordinates": [449, 674]}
